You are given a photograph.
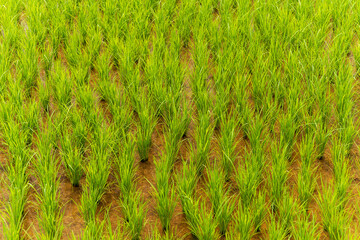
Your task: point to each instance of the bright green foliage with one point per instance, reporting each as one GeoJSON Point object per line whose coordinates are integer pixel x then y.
{"type": "Point", "coordinates": [125, 167]}
{"type": "Point", "coordinates": [46, 168]}
{"type": "Point", "coordinates": [227, 142]}
{"type": "Point", "coordinates": [276, 230]}
{"type": "Point", "coordinates": [287, 211]}
{"type": "Point", "coordinates": [334, 217]}
{"type": "Point", "coordinates": [164, 192]}
{"type": "Point", "coordinates": [244, 222]}
{"type": "Point", "coordinates": [97, 173]}
{"type": "Point", "coordinates": [341, 171]}
{"type": "Point", "coordinates": [17, 177]}
{"type": "Point", "coordinates": [200, 154]}
{"type": "Point", "coordinates": [248, 178]}
{"type": "Point", "coordinates": [146, 126]}
{"type": "Point", "coordinates": [134, 212]}
{"type": "Point", "coordinates": [306, 177]}
{"type": "Point", "coordinates": [223, 206]}
{"type": "Point", "coordinates": [61, 84]}
{"type": "Point", "coordinates": [72, 156]}
{"type": "Point", "coordinates": [112, 97]}
{"type": "Point", "coordinates": [304, 228]}
{"type": "Point", "coordinates": [133, 208]}
{"type": "Point", "coordinates": [279, 175]}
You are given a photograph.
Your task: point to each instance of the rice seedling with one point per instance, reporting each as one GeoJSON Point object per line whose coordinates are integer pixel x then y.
{"type": "Point", "coordinates": [146, 126]}
{"type": "Point", "coordinates": [341, 171]}
{"type": "Point", "coordinates": [222, 85]}
{"type": "Point", "coordinates": [164, 191]}
{"type": "Point", "coordinates": [177, 124]}
{"type": "Point", "coordinates": [259, 211]}
{"type": "Point", "coordinates": [222, 204]}
{"type": "Point", "coordinates": [28, 117]}
{"type": "Point", "coordinates": [186, 183]}
{"type": "Point", "coordinates": [201, 221]}
{"type": "Point", "coordinates": [304, 228]}
{"type": "Point", "coordinates": [72, 47]}
{"type": "Point", "coordinates": [133, 208]}
{"type": "Point", "coordinates": [94, 230]}
{"type": "Point", "coordinates": [10, 20]}
{"type": "Point", "coordinates": [279, 175]}
{"type": "Point", "coordinates": [17, 175]}
{"type": "Point", "coordinates": [15, 208]}
{"type": "Point", "coordinates": [276, 230]}
{"type": "Point", "coordinates": [156, 235]}
{"type": "Point", "coordinates": [103, 66]}
{"type": "Point", "coordinates": [163, 16]}
{"type": "Point", "coordinates": [72, 156]}
{"type": "Point", "coordinates": [287, 212]}
{"type": "Point", "coordinates": [97, 173]}
{"type": "Point", "coordinates": [324, 105]}
{"type": "Point", "coordinates": [125, 167]}
{"type": "Point", "coordinates": [134, 211]}
{"type": "Point", "coordinates": [182, 21]}
{"type": "Point", "coordinates": [87, 104]}
{"type": "Point", "coordinates": [348, 134]}
{"type": "Point", "coordinates": [335, 218]}
{"type": "Point", "coordinates": [114, 44]}
{"type": "Point", "coordinates": [81, 72]}
{"type": "Point", "coordinates": [199, 83]}
{"type": "Point", "coordinates": [44, 95]}
{"type": "Point", "coordinates": [248, 178]}
{"type": "Point", "coordinates": [307, 177]}
{"type": "Point", "coordinates": [36, 21]}
{"type": "Point", "coordinates": [288, 130]}
{"type": "Point", "coordinates": [93, 43]}
{"type": "Point", "coordinates": [307, 148]}
{"type": "Point", "coordinates": [57, 35]}
{"type": "Point", "coordinates": [61, 85]}
{"type": "Point", "coordinates": [79, 130]}
{"type": "Point", "coordinates": [154, 70]}
{"type": "Point", "coordinates": [121, 120]}
{"type": "Point", "coordinates": [224, 215]}
{"type": "Point", "coordinates": [114, 234]}
{"type": "Point", "coordinates": [215, 185]}
{"type": "Point", "coordinates": [5, 62]}
{"type": "Point", "coordinates": [46, 168]}
{"type": "Point", "coordinates": [306, 184]}
{"type": "Point", "coordinates": [227, 143]}
{"type": "Point", "coordinates": [241, 101]}
{"type": "Point", "coordinates": [165, 76]}
{"type": "Point", "coordinates": [15, 95]}
{"type": "Point", "coordinates": [204, 132]}
{"type": "Point", "coordinates": [259, 82]}
{"type": "Point", "coordinates": [28, 64]}
{"type": "Point", "coordinates": [344, 103]}
{"type": "Point", "coordinates": [257, 140]}
{"type": "Point", "coordinates": [244, 222]}
{"type": "Point", "coordinates": [321, 138]}
{"type": "Point", "coordinates": [7, 118]}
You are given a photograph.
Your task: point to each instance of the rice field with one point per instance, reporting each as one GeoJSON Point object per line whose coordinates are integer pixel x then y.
{"type": "Point", "coordinates": [193, 119]}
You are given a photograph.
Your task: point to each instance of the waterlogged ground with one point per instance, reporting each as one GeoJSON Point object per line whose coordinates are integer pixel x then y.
{"type": "Point", "coordinates": [257, 102]}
